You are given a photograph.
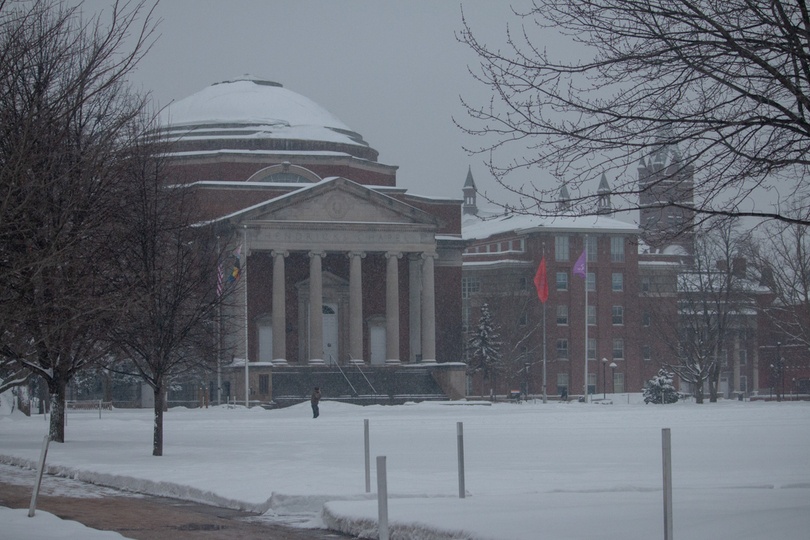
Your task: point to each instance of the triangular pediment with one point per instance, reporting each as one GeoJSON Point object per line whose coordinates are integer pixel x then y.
{"type": "Point", "coordinates": [336, 200]}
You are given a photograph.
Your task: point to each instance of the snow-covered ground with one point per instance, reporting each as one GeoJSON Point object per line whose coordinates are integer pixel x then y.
{"type": "Point", "coordinates": [533, 471]}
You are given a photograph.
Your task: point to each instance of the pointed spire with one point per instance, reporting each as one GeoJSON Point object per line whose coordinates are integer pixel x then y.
{"type": "Point", "coordinates": [603, 205]}
{"type": "Point", "coordinates": [564, 200]}
{"type": "Point", "coordinates": [469, 192]}
{"type": "Point", "coordinates": [469, 182]}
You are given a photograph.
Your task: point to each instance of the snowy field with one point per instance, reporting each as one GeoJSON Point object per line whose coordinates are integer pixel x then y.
{"type": "Point", "coordinates": [558, 471]}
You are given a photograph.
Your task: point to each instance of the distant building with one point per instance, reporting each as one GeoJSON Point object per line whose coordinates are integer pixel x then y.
{"type": "Point", "coordinates": [501, 259]}
{"type": "Point", "coordinates": [343, 268]}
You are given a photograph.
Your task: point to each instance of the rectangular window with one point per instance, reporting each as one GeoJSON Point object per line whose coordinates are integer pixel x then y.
{"type": "Point", "coordinates": [591, 383]}
{"type": "Point", "coordinates": [646, 352]}
{"type": "Point", "coordinates": [562, 281]}
{"type": "Point", "coordinates": [264, 384]}
{"type": "Point", "coordinates": [617, 315]}
{"type": "Point", "coordinates": [618, 349]}
{"type": "Point", "coordinates": [562, 315]}
{"type": "Point", "coordinates": [618, 383]}
{"type": "Point", "coordinates": [470, 285]}
{"type": "Point", "coordinates": [645, 284]}
{"type": "Point", "coordinates": [466, 318]}
{"type": "Point", "coordinates": [743, 383]}
{"type": "Point", "coordinates": [743, 358]}
{"type": "Point", "coordinates": [591, 349]}
{"type": "Point", "coordinates": [590, 245]}
{"type": "Point", "coordinates": [617, 249]}
{"type": "Point", "coordinates": [618, 281]}
{"type": "Point", "coordinates": [646, 318]}
{"type": "Point", "coordinates": [591, 281]}
{"type": "Point", "coordinates": [591, 315]}
{"type": "Point", "coordinates": [562, 384]}
{"type": "Point", "coordinates": [562, 349]}
{"type": "Point", "coordinates": [561, 248]}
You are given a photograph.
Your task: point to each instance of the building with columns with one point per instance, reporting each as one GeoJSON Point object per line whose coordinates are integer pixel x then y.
{"type": "Point", "coordinates": [348, 282]}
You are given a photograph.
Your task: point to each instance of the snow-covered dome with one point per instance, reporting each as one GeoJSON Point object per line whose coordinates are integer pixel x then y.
{"type": "Point", "coordinates": [249, 113]}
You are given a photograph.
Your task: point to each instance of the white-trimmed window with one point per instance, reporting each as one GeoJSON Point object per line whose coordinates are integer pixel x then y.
{"type": "Point", "coordinates": [591, 349]}
{"type": "Point", "coordinates": [562, 383]}
{"type": "Point", "coordinates": [617, 249]}
{"type": "Point", "coordinates": [470, 285]}
{"type": "Point", "coordinates": [618, 383]}
{"type": "Point", "coordinates": [618, 349]}
{"type": "Point", "coordinates": [562, 349]}
{"type": "Point", "coordinates": [618, 315]}
{"type": "Point", "coordinates": [590, 245]}
{"type": "Point", "coordinates": [562, 281]}
{"type": "Point", "coordinates": [617, 281]}
{"type": "Point", "coordinates": [743, 357]}
{"type": "Point", "coordinates": [591, 281]}
{"type": "Point", "coordinates": [591, 383]}
{"type": "Point", "coordinates": [591, 315]}
{"type": "Point", "coordinates": [562, 315]}
{"type": "Point", "coordinates": [561, 248]}
{"type": "Point", "coordinates": [646, 352]}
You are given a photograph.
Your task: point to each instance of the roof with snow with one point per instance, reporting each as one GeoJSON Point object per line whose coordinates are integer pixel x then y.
{"type": "Point", "coordinates": [249, 107]}
{"type": "Point", "coordinates": [477, 227]}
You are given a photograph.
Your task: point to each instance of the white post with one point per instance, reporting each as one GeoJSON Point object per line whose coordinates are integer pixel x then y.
{"type": "Point", "coordinates": [33, 507]}
{"type": "Point", "coordinates": [244, 284]}
{"type": "Point", "coordinates": [587, 397]}
{"type": "Point", "coordinates": [368, 456]}
{"type": "Point", "coordinates": [460, 438]}
{"type": "Point", "coordinates": [666, 448]}
{"type": "Point", "coordinates": [382, 499]}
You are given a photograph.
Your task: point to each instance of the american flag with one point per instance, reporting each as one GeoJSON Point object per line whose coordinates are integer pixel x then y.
{"type": "Point", "coordinates": [220, 276]}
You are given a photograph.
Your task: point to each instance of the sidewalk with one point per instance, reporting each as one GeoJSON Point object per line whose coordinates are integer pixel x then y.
{"type": "Point", "coordinates": [149, 518]}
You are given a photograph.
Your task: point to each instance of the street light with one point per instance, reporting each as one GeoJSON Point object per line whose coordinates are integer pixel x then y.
{"type": "Point", "coordinates": [604, 378]}
{"type": "Point", "coordinates": [613, 367]}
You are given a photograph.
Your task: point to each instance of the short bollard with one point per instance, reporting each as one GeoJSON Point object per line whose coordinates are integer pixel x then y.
{"type": "Point", "coordinates": [666, 450]}
{"type": "Point", "coordinates": [460, 435]}
{"type": "Point", "coordinates": [368, 456]}
{"type": "Point", "coordinates": [382, 499]}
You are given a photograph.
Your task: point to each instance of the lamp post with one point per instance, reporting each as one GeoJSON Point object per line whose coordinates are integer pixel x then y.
{"type": "Point", "coordinates": [604, 378]}
{"type": "Point", "coordinates": [613, 367]}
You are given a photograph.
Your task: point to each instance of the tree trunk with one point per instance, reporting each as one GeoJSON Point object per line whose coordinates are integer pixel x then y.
{"type": "Point", "coordinates": [714, 383]}
{"type": "Point", "coordinates": [699, 393]}
{"type": "Point", "coordinates": [157, 441]}
{"type": "Point", "coordinates": [56, 389]}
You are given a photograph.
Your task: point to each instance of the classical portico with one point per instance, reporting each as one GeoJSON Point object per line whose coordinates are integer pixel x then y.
{"type": "Point", "coordinates": [355, 232]}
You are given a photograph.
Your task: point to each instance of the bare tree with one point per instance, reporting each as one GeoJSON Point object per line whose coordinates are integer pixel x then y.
{"type": "Point", "coordinates": [713, 301]}
{"type": "Point", "coordinates": [782, 260]}
{"type": "Point", "coordinates": [728, 82]}
{"type": "Point", "coordinates": [64, 106]}
{"type": "Point", "coordinates": [169, 265]}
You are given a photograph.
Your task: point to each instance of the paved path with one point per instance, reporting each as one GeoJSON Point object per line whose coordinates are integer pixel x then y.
{"type": "Point", "coordinates": [143, 517]}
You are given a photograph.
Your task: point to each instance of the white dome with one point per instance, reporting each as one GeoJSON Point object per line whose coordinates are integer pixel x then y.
{"type": "Point", "coordinates": [253, 108]}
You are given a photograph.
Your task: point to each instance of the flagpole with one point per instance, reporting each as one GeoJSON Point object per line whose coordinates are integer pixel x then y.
{"type": "Point", "coordinates": [586, 319]}
{"type": "Point", "coordinates": [244, 284]}
{"type": "Point", "coordinates": [545, 395]}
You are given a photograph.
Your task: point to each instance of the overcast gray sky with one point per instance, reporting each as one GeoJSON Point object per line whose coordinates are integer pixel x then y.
{"type": "Point", "coordinates": [392, 71]}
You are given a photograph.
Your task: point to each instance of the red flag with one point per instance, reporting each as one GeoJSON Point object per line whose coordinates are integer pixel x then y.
{"type": "Point", "coordinates": [541, 282]}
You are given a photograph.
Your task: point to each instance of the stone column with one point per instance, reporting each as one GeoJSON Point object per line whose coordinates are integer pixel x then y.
{"type": "Point", "coordinates": [315, 307]}
{"type": "Point", "coordinates": [392, 308]}
{"type": "Point", "coordinates": [356, 307]}
{"type": "Point", "coordinates": [428, 310]}
{"type": "Point", "coordinates": [415, 306]}
{"type": "Point", "coordinates": [279, 308]}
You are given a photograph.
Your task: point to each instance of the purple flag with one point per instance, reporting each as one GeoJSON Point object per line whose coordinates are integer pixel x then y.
{"type": "Point", "coordinates": [580, 265]}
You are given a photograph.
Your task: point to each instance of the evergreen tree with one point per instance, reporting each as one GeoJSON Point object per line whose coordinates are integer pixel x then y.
{"type": "Point", "coordinates": [659, 389]}
{"type": "Point", "coordinates": [486, 349]}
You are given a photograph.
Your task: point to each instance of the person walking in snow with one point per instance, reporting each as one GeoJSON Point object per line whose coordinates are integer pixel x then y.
{"type": "Point", "coordinates": [314, 399]}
